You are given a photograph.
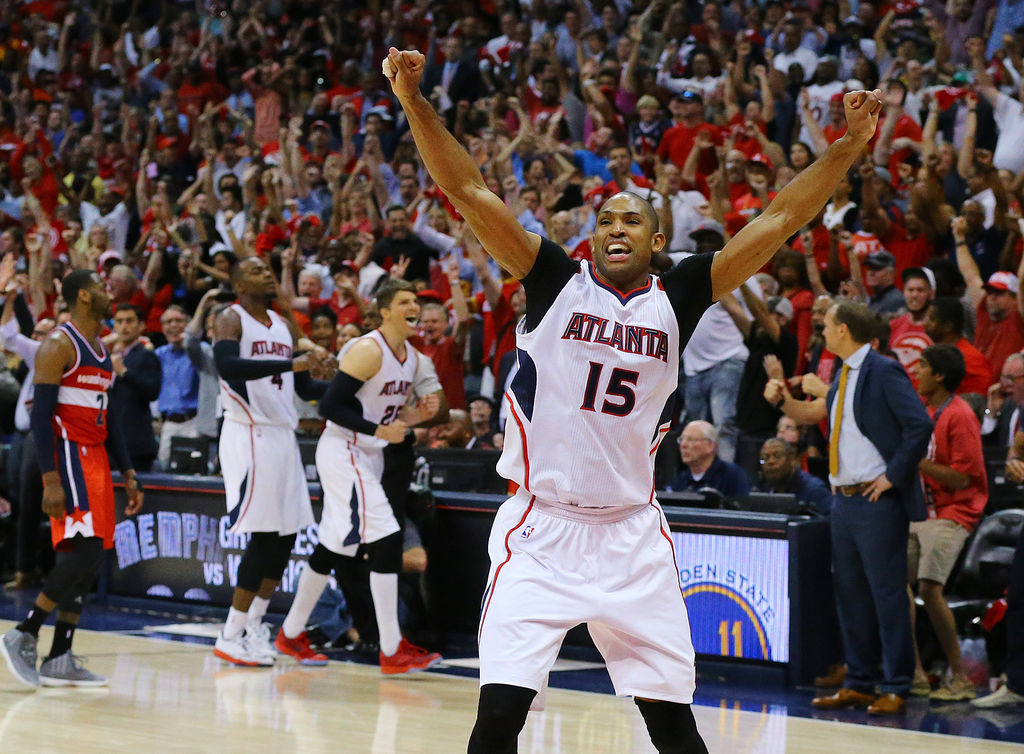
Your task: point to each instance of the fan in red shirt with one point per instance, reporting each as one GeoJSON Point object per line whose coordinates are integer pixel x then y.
{"type": "Point", "coordinates": [835, 129]}
{"type": "Point", "coordinates": [678, 140]}
{"type": "Point", "coordinates": [1000, 329]}
{"type": "Point", "coordinates": [956, 489]}
{"type": "Point", "coordinates": [446, 351]}
{"type": "Point", "coordinates": [896, 129]}
{"type": "Point", "coordinates": [945, 324]}
{"type": "Point", "coordinates": [907, 336]}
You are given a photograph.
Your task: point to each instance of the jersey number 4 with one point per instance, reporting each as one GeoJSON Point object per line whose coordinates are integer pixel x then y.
{"type": "Point", "coordinates": [277, 380]}
{"type": "Point", "coordinates": [619, 382]}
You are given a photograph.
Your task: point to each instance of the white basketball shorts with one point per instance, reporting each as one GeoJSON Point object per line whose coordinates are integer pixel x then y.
{"type": "Point", "coordinates": [264, 481]}
{"type": "Point", "coordinates": [550, 573]}
{"type": "Point", "coordinates": [356, 510]}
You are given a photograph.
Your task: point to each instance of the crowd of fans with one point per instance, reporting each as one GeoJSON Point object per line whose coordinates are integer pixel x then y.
{"type": "Point", "coordinates": [159, 144]}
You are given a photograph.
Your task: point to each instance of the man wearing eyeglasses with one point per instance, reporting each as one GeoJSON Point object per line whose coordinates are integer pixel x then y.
{"type": "Point", "coordinates": [698, 449]}
{"type": "Point", "coordinates": [1005, 398]}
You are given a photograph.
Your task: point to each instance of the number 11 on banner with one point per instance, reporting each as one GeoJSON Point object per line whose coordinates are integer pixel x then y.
{"type": "Point", "coordinates": [737, 638]}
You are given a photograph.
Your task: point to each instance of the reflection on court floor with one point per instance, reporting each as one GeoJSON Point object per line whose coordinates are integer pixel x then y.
{"type": "Point", "coordinates": [175, 697]}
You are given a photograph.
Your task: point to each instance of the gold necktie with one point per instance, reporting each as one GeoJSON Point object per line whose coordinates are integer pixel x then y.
{"type": "Point", "coordinates": [833, 437]}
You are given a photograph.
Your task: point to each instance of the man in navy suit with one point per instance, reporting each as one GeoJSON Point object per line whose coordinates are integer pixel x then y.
{"type": "Point", "coordinates": [458, 77]}
{"type": "Point", "coordinates": [878, 433]}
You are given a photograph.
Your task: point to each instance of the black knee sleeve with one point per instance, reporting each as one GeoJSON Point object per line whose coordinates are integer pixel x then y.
{"type": "Point", "coordinates": [322, 561]}
{"type": "Point", "coordinates": [278, 561]}
{"type": "Point", "coordinates": [265, 557]}
{"type": "Point", "coordinates": [75, 570]}
{"type": "Point", "coordinates": [386, 554]}
{"type": "Point", "coordinates": [500, 716]}
{"type": "Point", "coordinates": [671, 727]}
{"type": "Point", "coordinates": [70, 605]}
{"type": "Point", "coordinates": [253, 564]}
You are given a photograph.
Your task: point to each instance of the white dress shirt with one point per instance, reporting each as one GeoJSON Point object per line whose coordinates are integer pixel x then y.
{"type": "Point", "coordinates": [990, 422]}
{"type": "Point", "coordinates": [26, 348]}
{"type": "Point", "coordinates": [859, 460]}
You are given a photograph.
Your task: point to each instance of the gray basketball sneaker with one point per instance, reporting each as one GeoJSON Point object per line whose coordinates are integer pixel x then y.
{"type": "Point", "coordinates": [67, 670]}
{"type": "Point", "coordinates": [19, 650]}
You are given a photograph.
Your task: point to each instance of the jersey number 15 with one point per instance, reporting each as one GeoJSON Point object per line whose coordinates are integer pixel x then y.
{"type": "Point", "coordinates": [619, 382]}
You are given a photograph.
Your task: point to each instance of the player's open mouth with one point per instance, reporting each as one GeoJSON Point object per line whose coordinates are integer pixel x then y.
{"type": "Point", "coordinates": [412, 321]}
{"type": "Point", "coordinates": [617, 252]}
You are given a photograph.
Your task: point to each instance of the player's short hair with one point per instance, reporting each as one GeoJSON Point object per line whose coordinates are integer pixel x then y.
{"type": "Point", "coordinates": [387, 292]}
{"type": "Point", "coordinates": [947, 361]}
{"type": "Point", "coordinates": [394, 208]}
{"type": "Point", "coordinates": [75, 281]}
{"type": "Point", "coordinates": [648, 208]}
{"type": "Point", "coordinates": [859, 320]}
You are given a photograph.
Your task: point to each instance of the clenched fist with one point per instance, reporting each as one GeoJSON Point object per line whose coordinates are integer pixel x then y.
{"type": "Point", "coordinates": [404, 68]}
{"type": "Point", "coordinates": [862, 111]}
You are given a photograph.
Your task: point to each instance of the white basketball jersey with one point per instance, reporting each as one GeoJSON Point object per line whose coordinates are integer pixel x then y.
{"type": "Point", "coordinates": [383, 395]}
{"type": "Point", "coordinates": [590, 401]}
{"type": "Point", "coordinates": [268, 400]}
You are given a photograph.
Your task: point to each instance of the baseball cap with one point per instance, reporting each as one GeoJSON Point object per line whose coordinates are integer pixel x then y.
{"type": "Point", "coordinates": [753, 36]}
{"type": "Point", "coordinates": [853, 21]}
{"type": "Point", "coordinates": [879, 260]}
{"type": "Point", "coordinates": [382, 111]}
{"type": "Point", "coordinates": [689, 95]}
{"type": "Point", "coordinates": [319, 124]}
{"type": "Point", "coordinates": [780, 305]}
{"type": "Point", "coordinates": [919, 272]}
{"type": "Point", "coordinates": [837, 97]}
{"type": "Point", "coordinates": [760, 159]}
{"type": "Point", "coordinates": [429, 294]}
{"type": "Point", "coordinates": [1003, 281]}
{"type": "Point", "coordinates": [106, 67]}
{"type": "Point", "coordinates": [884, 174]}
{"type": "Point", "coordinates": [107, 256]}
{"type": "Point", "coordinates": [708, 226]}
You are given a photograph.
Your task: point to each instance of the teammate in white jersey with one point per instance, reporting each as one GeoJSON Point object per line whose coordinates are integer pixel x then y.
{"type": "Point", "coordinates": [264, 480]}
{"type": "Point", "coordinates": [367, 407]}
{"type": "Point", "coordinates": [584, 540]}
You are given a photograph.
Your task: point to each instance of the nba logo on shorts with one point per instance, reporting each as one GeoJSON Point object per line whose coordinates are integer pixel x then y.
{"type": "Point", "coordinates": [527, 531]}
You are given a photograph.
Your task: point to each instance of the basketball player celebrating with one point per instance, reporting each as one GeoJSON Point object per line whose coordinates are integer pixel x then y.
{"type": "Point", "coordinates": [366, 408]}
{"type": "Point", "coordinates": [73, 434]}
{"type": "Point", "coordinates": [264, 480]}
{"type": "Point", "coordinates": [598, 353]}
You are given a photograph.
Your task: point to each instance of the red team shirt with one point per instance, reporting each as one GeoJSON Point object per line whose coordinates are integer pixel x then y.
{"type": "Point", "coordinates": [80, 428]}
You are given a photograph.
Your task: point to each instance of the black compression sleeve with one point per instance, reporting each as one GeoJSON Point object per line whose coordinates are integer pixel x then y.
{"type": "Point", "coordinates": [233, 368]}
{"type": "Point", "coordinates": [309, 389]}
{"type": "Point", "coordinates": [44, 404]}
{"type": "Point", "coordinates": [116, 446]}
{"type": "Point", "coordinates": [342, 407]}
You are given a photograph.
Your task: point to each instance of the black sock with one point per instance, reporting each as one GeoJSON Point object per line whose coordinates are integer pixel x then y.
{"type": "Point", "coordinates": [63, 633]}
{"type": "Point", "coordinates": [34, 620]}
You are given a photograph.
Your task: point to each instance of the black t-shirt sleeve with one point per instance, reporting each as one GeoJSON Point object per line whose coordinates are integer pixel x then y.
{"type": "Point", "coordinates": [688, 286]}
{"type": "Point", "coordinates": [550, 272]}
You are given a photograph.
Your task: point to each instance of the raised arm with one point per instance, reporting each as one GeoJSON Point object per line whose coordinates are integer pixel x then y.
{"type": "Point", "coordinates": [965, 262]}
{"type": "Point", "coordinates": [734, 310]}
{"type": "Point", "coordinates": [801, 199]}
{"type": "Point", "coordinates": [455, 172]}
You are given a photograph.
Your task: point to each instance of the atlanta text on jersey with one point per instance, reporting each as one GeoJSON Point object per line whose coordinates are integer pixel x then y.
{"type": "Point", "coordinates": [646, 341]}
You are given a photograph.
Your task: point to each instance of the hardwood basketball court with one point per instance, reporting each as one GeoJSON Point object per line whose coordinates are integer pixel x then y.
{"type": "Point", "coordinates": [169, 696]}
